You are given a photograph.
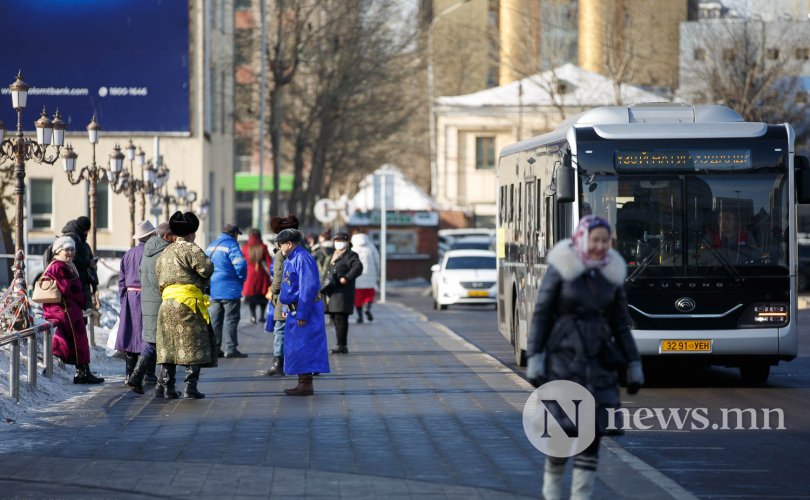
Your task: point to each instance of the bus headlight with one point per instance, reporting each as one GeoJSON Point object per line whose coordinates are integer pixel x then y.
{"type": "Point", "coordinates": [765, 314]}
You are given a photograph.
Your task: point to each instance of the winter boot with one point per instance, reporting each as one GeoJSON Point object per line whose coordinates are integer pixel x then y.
{"type": "Point", "coordinates": [304, 387]}
{"type": "Point", "coordinates": [85, 376]}
{"type": "Point", "coordinates": [553, 479]}
{"type": "Point", "coordinates": [582, 482]}
{"type": "Point", "coordinates": [192, 376]}
{"type": "Point", "coordinates": [368, 312]}
{"type": "Point", "coordinates": [150, 378]}
{"type": "Point", "coordinates": [165, 383]}
{"type": "Point", "coordinates": [359, 314]}
{"type": "Point", "coordinates": [131, 361]}
{"type": "Point", "coordinates": [135, 379]}
{"type": "Point", "coordinates": [277, 369]}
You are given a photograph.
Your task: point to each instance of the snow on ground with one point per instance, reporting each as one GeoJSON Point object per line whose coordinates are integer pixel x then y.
{"type": "Point", "coordinates": [56, 392]}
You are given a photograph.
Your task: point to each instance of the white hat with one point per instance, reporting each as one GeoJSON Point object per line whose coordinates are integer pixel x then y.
{"type": "Point", "coordinates": [62, 243]}
{"type": "Point", "coordinates": [143, 229]}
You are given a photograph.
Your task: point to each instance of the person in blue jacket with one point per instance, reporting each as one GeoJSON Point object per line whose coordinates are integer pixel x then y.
{"type": "Point", "coordinates": [230, 271]}
{"type": "Point", "coordinates": [305, 350]}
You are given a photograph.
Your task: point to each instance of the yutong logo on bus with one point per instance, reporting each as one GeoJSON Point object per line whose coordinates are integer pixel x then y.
{"type": "Point", "coordinates": [685, 304]}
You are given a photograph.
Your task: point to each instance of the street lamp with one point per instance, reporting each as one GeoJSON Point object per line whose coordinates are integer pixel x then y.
{"type": "Point", "coordinates": [92, 173]}
{"type": "Point", "coordinates": [434, 174]}
{"type": "Point", "coordinates": [20, 149]}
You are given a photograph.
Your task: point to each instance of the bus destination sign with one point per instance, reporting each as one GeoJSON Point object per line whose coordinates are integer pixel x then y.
{"type": "Point", "coordinates": [693, 160]}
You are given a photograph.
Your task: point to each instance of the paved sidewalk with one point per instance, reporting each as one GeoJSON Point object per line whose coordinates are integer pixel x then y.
{"type": "Point", "coordinates": [414, 411]}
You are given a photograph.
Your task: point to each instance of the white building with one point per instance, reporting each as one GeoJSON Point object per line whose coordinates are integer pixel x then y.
{"type": "Point", "coordinates": [472, 129]}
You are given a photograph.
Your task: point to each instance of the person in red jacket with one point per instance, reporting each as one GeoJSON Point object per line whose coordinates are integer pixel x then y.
{"type": "Point", "coordinates": [258, 274]}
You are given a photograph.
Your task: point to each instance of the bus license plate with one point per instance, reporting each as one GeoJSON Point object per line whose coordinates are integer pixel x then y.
{"type": "Point", "coordinates": [478, 293]}
{"type": "Point", "coordinates": [686, 346]}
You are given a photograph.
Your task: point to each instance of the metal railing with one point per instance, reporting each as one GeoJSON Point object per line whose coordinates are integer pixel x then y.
{"type": "Point", "coordinates": [14, 338]}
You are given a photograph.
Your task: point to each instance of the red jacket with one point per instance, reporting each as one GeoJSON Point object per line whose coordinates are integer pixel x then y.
{"type": "Point", "coordinates": [258, 276]}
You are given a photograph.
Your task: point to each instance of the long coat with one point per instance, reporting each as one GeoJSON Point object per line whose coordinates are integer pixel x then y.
{"type": "Point", "coordinates": [129, 292]}
{"type": "Point", "coordinates": [150, 291]}
{"type": "Point", "coordinates": [183, 335]}
{"type": "Point", "coordinates": [70, 342]}
{"type": "Point", "coordinates": [580, 317]}
{"type": "Point", "coordinates": [341, 299]}
{"type": "Point", "coordinates": [258, 276]}
{"type": "Point", "coordinates": [370, 258]}
{"type": "Point", "coordinates": [275, 287]}
{"type": "Point", "coordinates": [305, 349]}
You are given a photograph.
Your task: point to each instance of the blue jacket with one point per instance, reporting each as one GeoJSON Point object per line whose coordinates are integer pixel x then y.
{"type": "Point", "coordinates": [305, 349]}
{"type": "Point", "coordinates": [230, 268]}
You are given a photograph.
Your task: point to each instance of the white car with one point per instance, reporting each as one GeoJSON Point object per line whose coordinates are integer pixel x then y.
{"type": "Point", "coordinates": [464, 277]}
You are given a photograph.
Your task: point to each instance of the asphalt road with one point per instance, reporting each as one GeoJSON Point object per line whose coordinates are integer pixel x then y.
{"type": "Point", "coordinates": [708, 456]}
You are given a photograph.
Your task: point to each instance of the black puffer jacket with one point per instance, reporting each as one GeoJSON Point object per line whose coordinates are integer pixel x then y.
{"type": "Point", "coordinates": [341, 299]}
{"type": "Point", "coordinates": [579, 317]}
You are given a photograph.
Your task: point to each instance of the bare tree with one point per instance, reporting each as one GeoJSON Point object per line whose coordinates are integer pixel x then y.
{"type": "Point", "coordinates": [751, 66]}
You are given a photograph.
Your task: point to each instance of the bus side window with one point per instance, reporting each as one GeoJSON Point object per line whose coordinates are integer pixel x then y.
{"type": "Point", "coordinates": [511, 202]}
{"type": "Point", "coordinates": [519, 204]}
{"type": "Point", "coordinates": [549, 233]}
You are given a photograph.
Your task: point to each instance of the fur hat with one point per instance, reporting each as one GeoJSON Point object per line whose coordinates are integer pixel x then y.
{"type": "Point", "coordinates": [62, 243]}
{"type": "Point", "coordinates": [183, 224]}
{"type": "Point", "coordinates": [292, 235]}
{"type": "Point", "coordinates": [279, 224]}
{"type": "Point", "coordinates": [83, 223]}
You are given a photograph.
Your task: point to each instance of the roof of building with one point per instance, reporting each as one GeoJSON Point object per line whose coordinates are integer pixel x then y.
{"type": "Point", "coordinates": [401, 192]}
{"type": "Point", "coordinates": [568, 85]}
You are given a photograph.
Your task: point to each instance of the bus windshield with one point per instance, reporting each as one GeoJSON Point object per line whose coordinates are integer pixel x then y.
{"type": "Point", "coordinates": [710, 224]}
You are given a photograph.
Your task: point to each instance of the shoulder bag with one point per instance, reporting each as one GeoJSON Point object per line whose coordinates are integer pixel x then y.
{"type": "Point", "coordinates": [46, 290]}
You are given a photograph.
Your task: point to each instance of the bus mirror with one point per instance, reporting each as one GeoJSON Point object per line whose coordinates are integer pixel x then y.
{"type": "Point", "coordinates": [802, 167]}
{"type": "Point", "coordinates": [564, 179]}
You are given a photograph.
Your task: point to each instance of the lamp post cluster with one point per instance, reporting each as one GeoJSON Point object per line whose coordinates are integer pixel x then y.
{"type": "Point", "coordinates": [182, 197]}
{"type": "Point", "coordinates": [20, 149]}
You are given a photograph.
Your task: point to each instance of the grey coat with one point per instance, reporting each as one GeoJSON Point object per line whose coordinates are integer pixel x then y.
{"type": "Point", "coordinates": [275, 288]}
{"type": "Point", "coordinates": [150, 292]}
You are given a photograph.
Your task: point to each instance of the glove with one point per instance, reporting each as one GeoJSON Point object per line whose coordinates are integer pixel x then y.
{"type": "Point", "coordinates": [536, 369]}
{"type": "Point", "coordinates": [635, 377]}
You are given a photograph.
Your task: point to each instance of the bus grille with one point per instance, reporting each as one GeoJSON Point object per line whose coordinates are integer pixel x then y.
{"type": "Point", "coordinates": [477, 285]}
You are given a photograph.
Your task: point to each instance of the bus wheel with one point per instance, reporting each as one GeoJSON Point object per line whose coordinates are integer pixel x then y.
{"type": "Point", "coordinates": [520, 354]}
{"type": "Point", "coordinates": [755, 373]}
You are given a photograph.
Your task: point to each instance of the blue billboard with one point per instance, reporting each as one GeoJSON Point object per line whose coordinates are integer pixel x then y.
{"type": "Point", "coordinates": [127, 61]}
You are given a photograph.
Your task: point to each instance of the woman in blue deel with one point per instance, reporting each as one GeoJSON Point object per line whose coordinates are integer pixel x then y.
{"type": "Point", "coordinates": [305, 350]}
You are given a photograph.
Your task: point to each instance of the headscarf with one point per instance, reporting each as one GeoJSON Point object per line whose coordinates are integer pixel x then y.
{"type": "Point", "coordinates": [579, 242]}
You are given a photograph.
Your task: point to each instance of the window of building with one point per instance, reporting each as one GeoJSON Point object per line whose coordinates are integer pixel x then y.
{"type": "Point", "coordinates": [102, 205]}
{"type": "Point", "coordinates": [484, 153]}
{"type": "Point", "coordinates": [243, 4]}
{"type": "Point", "coordinates": [41, 203]}
{"type": "Point", "coordinates": [803, 53]}
{"type": "Point", "coordinates": [772, 54]}
{"type": "Point", "coordinates": [398, 241]}
{"type": "Point", "coordinates": [699, 54]}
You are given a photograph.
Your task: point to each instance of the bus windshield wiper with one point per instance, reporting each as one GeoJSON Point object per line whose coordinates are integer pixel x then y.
{"type": "Point", "coordinates": [724, 261]}
{"type": "Point", "coordinates": [645, 263]}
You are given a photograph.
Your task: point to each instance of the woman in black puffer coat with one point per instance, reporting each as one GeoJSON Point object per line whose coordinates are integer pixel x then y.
{"type": "Point", "coordinates": [580, 332]}
{"type": "Point", "coordinates": [338, 286]}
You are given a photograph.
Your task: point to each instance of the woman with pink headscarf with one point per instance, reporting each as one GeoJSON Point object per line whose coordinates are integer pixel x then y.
{"type": "Point", "coordinates": [580, 332]}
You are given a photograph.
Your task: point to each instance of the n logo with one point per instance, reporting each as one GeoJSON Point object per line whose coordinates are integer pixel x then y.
{"type": "Point", "coordinates": [559, 418]}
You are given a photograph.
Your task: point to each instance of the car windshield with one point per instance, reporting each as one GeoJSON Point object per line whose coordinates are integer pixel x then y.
{"type": "Point", "coordinates": [470, 262]}
{"type": "Point", "coordinates": [714, 224]}
{"type": "Point", "coordinates": [471, 245]}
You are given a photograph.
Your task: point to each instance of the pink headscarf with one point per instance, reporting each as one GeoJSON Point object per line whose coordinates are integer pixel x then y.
{"type": "Point", "coordinates": [579, 242]}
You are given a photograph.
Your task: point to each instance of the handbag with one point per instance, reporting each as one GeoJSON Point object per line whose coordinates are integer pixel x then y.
{"type": "Point", "coordinates": [46, 290]}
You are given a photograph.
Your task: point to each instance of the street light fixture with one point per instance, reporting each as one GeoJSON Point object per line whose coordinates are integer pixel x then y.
{"type": "Point", "coordinates": [20, 149]}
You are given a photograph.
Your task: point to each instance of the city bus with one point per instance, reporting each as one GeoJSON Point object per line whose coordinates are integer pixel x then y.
{"type": "Point", "coordinates": [703, 207]}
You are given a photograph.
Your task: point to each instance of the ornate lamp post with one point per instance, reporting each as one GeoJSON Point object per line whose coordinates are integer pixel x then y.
{"type": "Point", "coordinates": [20, 149]}
{"type": "Point", "coordinates": [93, 172]}
{"type": "Point", "coordinates": [182, 198]}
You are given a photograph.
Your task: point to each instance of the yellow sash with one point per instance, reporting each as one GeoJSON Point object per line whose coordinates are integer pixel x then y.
{"type": "Point", "coordinates": [191, 297]}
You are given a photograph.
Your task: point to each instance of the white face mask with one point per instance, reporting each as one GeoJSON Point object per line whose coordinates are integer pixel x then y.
{"type": "Point", "coordinates": [340, 245]}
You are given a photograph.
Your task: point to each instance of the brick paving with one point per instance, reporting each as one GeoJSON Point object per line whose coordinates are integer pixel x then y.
{"type": "Point", "coordinates": [413, 411]}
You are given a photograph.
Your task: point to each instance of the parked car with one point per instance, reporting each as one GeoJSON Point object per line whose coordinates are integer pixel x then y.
{"type": "Point", "coordinates": [447, 237]}
{"type": "Point", "coordinates": [464, 277]}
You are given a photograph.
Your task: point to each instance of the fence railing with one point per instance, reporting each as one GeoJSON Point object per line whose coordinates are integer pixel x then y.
{"type": "Point", "coordinates": [14, 339]}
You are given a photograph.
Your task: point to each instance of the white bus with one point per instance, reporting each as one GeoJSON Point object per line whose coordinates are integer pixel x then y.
{"type": "Point", "coordinates": [703, 206]}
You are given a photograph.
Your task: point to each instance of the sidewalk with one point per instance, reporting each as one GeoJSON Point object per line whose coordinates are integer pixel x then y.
{"type": "Point", "coordinates": [414, 411]}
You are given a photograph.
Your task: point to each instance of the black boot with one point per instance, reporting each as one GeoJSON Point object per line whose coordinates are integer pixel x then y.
{"type": "Point", "coordinates": [192, 376]}
{"type": "Point", "coordinates": [277, 368]}
{"type": "Point", "coordinates": [131, 361]}
{"type": "Point", "coordinates": [135, 379]}
{"type": "Point", "coordinates": [368, 312]}
{"type": "Point", "coordinates": [85, 376]}
{"type": "Point", "coordinates": [150, 378]}
{"type": "Point", "coordinates": [165, 383]}
{"type": "Point", "coordinates": [359, 314]}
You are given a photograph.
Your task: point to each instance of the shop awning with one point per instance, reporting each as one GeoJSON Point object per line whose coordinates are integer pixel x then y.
{"type": "Point", "coordinates": [250, 182]}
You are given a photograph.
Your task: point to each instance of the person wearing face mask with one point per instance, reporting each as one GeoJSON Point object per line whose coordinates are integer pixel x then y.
{"type": "Point", "coordinates": [580, 331]}
{"type": "Point", "coordinates": [184, 333]}
{"type": "Point", "coordinates": [338, 283]}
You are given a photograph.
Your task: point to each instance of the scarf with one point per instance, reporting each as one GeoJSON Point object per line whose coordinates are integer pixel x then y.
{"type": "Point", "coordinates": [191, 297]}
{"type": "Point", "coordinates": [579, 242]}
{"type": "Point", "coordinates": [338, 254]}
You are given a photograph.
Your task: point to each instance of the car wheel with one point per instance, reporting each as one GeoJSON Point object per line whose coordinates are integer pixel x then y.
{"type": "Point", "coordinates": [755, 373]}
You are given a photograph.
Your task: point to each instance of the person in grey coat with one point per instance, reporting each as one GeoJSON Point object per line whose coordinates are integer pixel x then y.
{"type": "Point", "coordinates": [150, 304]}
{"type": "Point", "coordinates": [338, 285]}
{"type": "Point", "coordinates": [580, 332]}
